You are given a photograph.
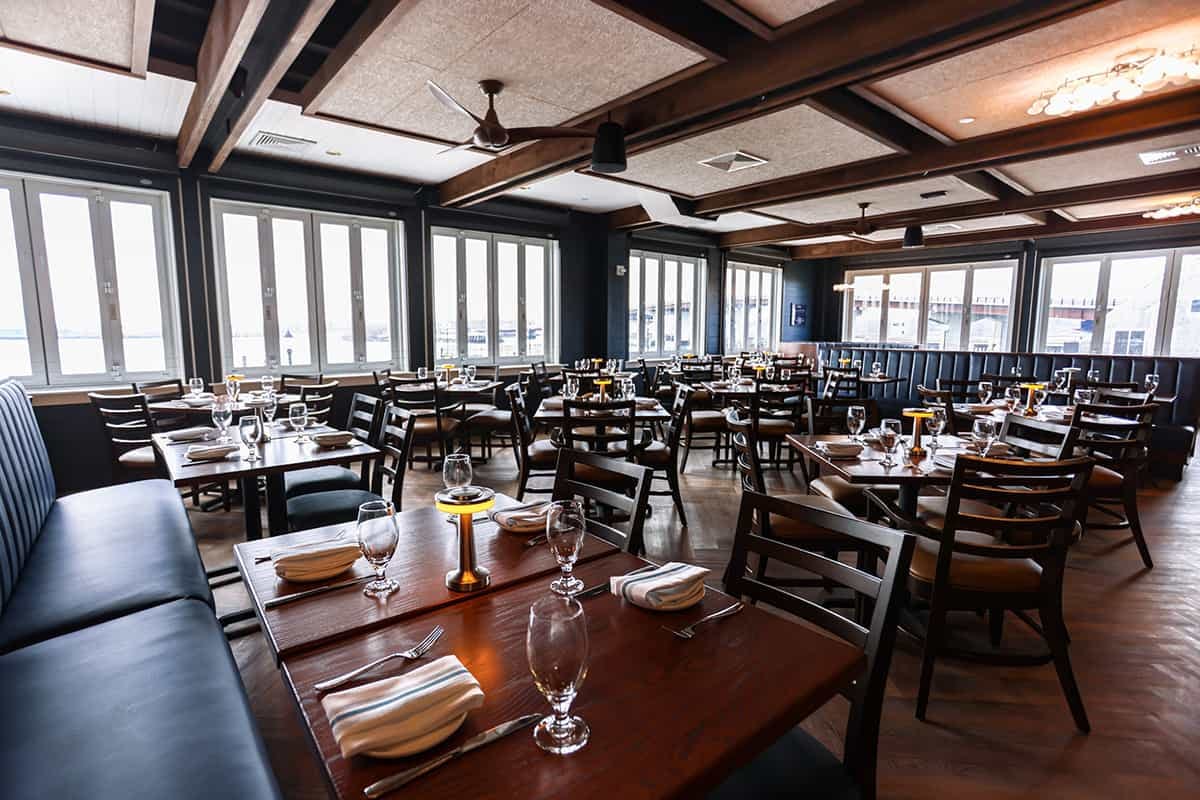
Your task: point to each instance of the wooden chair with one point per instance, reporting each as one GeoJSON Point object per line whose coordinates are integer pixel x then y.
{"type": "Point", "coordinates": [609, 428]}
{"type": "Point", "coordinates": [828, 416]}
{"type": "Point", "coordinates": [128, 427]}
{"type": "Point", "coordinates": [777, 410]}
{"type": "Point", "coordinates": [536, 458]}
{"type": "Point", "coordinates": [962, 390]}
{"type": "Point", "coordinates": [161, 392]}
{"type": "Point", "coordinates": [662, 457]}
{"type": "Point", "coordinates": [1002, 382]}
{"type": "Point", "coordinates": [943, 399]}
{"type": "Point", "coordinates": [1121, 448]}
{"type": "Point", "coordinates": [486, 420]}
{"type": "Point", "coordinates": [364, 421]}
{"type": "Point", "coordinates": [436, 422]}
{"type": "Point", "coordinates": [591, 477]}
{"type": "Point", "coordinates": [292, 382]}
{"type": "Point", "coordinates": [1001, 545]}
{"type": "Point", "coordinates": [585, 377]}
{"type": "Point", "coordinates": [842, 384]}
{"type": "Point", "coordinates": [797, 764]}
{"type": "Point", "coordinates": [1124, 397]}
{"type": "Point", "coordinates": [318, 397]}
{"type": "Point", "coordinates": [1030, 436]}
{"type": "Point", "coordinates": [383, 389]}
{"type": "Point", "coordinates": [393, 439]}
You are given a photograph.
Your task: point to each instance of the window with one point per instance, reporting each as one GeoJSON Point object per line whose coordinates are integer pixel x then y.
{"type": "Point", "coordinates": [945, 307]}
{"type": "Point", "coordinates": [305, 290]}
{"type": "Point", "coordinates": [1138, 303]}
{"type": "Point", "coordinates": [492, 297]}
{"type": "Point", "coordinates": [664, 295]}
{"type": "Point", "coordinates": [87, 289]}
{"type": "Point", "coordinates": [752, 311]}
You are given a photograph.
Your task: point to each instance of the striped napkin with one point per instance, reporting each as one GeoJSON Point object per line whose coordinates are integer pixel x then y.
{"type": "Point", "coordinates": [522, 519]}
{"type": "Point", "coordinates": [400, 716]}
{"type": "Point", "coordinates": [190, 434]}
{"type": "Point", "coordinates": [211, 452]}
{"type": "Point", "coordinates": [315, 562]}
{"type": "Point", "coordinates": [671, 587]}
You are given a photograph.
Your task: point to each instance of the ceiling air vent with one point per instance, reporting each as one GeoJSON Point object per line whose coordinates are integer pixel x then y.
{"type": "Point", "coordinates": [1153, 157]}
{"type": "Point", "coordinates": [943, 227]}
{"type": "Point", "coordinates": [280, 142]}
{"type": "Point", "coordinates": [934, 195]}
{"type": "Point", "coordinates": [732, 162]}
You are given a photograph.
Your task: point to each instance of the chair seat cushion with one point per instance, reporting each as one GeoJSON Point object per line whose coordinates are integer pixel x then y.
{"type": "Point", "coordinates": [707, 421]}
{"type": "Point", "coordinates": [425, 427]}
{"type": "Point", "coordinates": [493, 419]}
{"type": "Point", "coordinates": [467, 410]}
{"type": "Point", "coordinates": [788, 528]}
{"type": "Point", "coordinates": [931, 509]}
{"type": "Point", "coordinates": [773, 428]}
{"type": "Point", "coordinates": [140, 458]}
{"type": "Point", "coordinates": [542, 454]}
{"type": "Point", "coordinates": [1105, 482]}
{"type": "Point", "coordinates": [976, 573]}
{"type": "Point", "coordinates": [147, 705]}
{"type": "Point", "coordinates": [655, 454]}
{"type": "Point", "coordinates": [319, 479]}
{"type": "Point", "coordinates": [326, 508]}
{"type": "Point", "coordinates": [102, 554]}
{"type": "Point", "coordinates": [586, 473]}
{"type": "Point", "coordinates": [796, 765]}
{"type": "Point", "coordinates": [840, 490]}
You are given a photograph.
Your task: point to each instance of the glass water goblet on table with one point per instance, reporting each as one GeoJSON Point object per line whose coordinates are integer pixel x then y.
{"type": "Point", "coordinates": [565, 527]}
{"type": "Point", "coordinates": [983, 432]}
{"type": "Point", "coordinates": [251, 429]}
{"type": "Point", "coordinates": [456, 475]}
{"type": "Point", "coordinates": [1012, 396]}
{"type": "Point", "coordinates": [985, 391]}
{"type": "Point", "coordinates": [876, 369]}
{"type": "Point", "coordinates": [422, 373]}
{"type": "Point", "coordinates": [889, 439]}
{"type": "Point", "coordinates": [1039, 399]}
{"type": "Point", "coordinates": [1060, 379]}
{"type": "Point", "coordinates": [270, 407]}
{"type": "Point", "coordinates": [232, 388]}
{"type": "Point", "coordinates": [856, 420]}
{"type": "Point", "coordinates": [1093, 376]}
{"type": "Point", "coordinates": [378, 534]}
{"type": "Point", "coordinates": [935, 425]}
{"type": "Point", "coordinates": [469, 373]}
{"type": "Point", "coordinates": [1150, 382]}
{"type": "Point", "coordinates": [267, 382]}
{"type": "Point", "coordinates": [222, 414]}
{"type": "Point", "coordinates": [196, 386]}
{"type": "Point", "coordinates": [1085, 397]}
{"type": "Point", "coordinates": [556, 644]}
{"type": "Point", "coordinates": [298, 420]}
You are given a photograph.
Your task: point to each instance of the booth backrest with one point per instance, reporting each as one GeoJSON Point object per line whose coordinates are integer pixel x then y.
{"type": "Point", "coordinates": [1177, 376]}
{"type": "Point", "coordinates": [26, 484]}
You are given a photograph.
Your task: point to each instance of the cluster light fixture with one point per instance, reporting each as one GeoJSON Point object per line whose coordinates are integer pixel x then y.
{"type": "Point", "coordinates": [1188, 208]}
{"type": "Point", "coordinates": [1135, 73]}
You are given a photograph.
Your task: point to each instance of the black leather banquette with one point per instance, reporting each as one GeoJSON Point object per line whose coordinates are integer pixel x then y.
{"type": "Point", "coordinates": [115, 677]}
{"type": "Point", "coordinates": [1175, 425]}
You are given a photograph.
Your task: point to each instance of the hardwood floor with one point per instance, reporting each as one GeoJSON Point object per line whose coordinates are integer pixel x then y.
{"type": "Point", "coordinates": [992, 732]}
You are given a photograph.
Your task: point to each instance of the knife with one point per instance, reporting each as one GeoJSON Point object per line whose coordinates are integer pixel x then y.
{"type": "Point", "coordinates": [287, 598]}
{"type": "Point", "coordinates": [382, 787]}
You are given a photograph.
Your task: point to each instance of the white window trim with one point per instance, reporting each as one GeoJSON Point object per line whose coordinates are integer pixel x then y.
{"type": "Point", "coordinates": [776, 302]}
{"type": "Point", "coordinates": [699, 276]}
{"type": "Point", "coordinates": [550, 288]}
{"type": "Point", "coordinates": [40, 321]}
{"type": "Point", "coordinates": [311, 220]}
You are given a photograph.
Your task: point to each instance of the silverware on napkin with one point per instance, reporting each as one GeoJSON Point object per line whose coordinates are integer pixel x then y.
{"type": "Point", "coordinates": [382, 787]}
{"type": "Point", "coordinates": [288, 598]}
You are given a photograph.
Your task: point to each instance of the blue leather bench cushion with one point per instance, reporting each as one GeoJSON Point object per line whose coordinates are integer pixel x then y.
{"type": "Point", "coordinates": [26, 484]}
{"type": "Point", "coordinates": [102, 554]}
{"type": "Point", "coordinates": [148, 705]}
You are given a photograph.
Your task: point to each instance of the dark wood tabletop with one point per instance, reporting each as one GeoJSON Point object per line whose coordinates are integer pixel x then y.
{"type": "Point", "coordinates": [867, 470]}
{"type": "Point", "coordinates": [282, 453]}
{"type": "Point", "coordinates": [555, 415]}
{"type": "Point", "coordinates": [428, 549]}
{"type": "Point", "coordinates": [668, 717]}
{"type": "Point", "coordinates": [727, 388]}
{"type": "Point", "coordinates": [238, 407]}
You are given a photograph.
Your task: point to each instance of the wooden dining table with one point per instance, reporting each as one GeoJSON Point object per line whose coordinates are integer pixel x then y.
{"type": "Point", "coordinates": [669, 717]}
{"type": "Point", "coordinates": [238, 407]}
{"type": "Point", "coordinates": [552, 414]}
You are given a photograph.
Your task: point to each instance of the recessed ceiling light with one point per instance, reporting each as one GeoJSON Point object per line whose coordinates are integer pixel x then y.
{"type": "Point", "coordinates": [333, 152]}
{"type": "Point", "coordinates": [4, 92]}
{"type": "Point", "coordinates": [966, 120]}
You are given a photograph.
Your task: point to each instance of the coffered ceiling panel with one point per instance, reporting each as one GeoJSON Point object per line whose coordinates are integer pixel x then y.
{"type": "Point", "coordinates": [99, 30]}
{"type": "Point", "coordinates": [963, 226]}
{"type": "Point", "coordinates": [1104, 164]}
{"type": "Point", "coordinates": [1135, 205]}
{"type": "Point", "coordinates": [557, 59]}
{"type": "Point", "coordinates": [883, 200]}
{"type": "Point", "coordinates": [815, 240]}
{"type": "Point", "coordinates": [996, 84]}
{"type": "Point", "coordinates": [777, 12]}
{"type": "Point", "coordinates": [797, 139]}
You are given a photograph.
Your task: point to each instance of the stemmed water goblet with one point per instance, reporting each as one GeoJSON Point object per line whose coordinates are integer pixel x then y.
{"type": "Point", "coordinates": [985, 391]}
{"type": "Point", "coordinates": [196, 386]}
{"type": "Point", "coordinates": [1060, 379]}
{"type": "Point", "coordinates": [1093, 376]}
{"type": "Point", "coordinates": [378, 535]}
{"type": "Point", "coordinates": [935, 425]}
{"type": "Point", "coordinates": [564, 535]}
{"type": "Point", "coordinates": [469, 373]}
{"type": "Point", "coordinates": [456, 475]}
{"type": "Point", "coordinates": [1012, 396]}
{"type": "Point", "coordinates": [268, 384]}
{"type": "Point", "coordinates": [298, 420]}
{"type": "Point", "coordinates": [876, 369]}
{"type": "Point", "coordinates": [856, 420]}
{"type": "Point", "coordinates": [556, 644]}
{"type": "Point", "coordinates": [222, 414]}
{"type": "Point", "coordinates": [1151, 382]}
{"type": "Point", "coordinates": [983, 432]}
{"type": "Point", "coordinates": [251, 429]}
{"type": "Point", "coordinates": [233, 387]}
{"type": "Point", "coordinates": [889, 439]}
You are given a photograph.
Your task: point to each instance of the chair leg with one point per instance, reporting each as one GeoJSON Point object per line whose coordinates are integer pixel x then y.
{"type": "Point", "coordinates": [1135, 523]}
{"type": "Point", "coordinates": [673, 481]}
{"type": "Point", "coordinates": [687, 448]}
{"type": "Point", "coordinates": [1056, 637]}
{"type": "Point", "coordinates": [996, 626]}
{"type": "Point", "coordinates": [933, 643]}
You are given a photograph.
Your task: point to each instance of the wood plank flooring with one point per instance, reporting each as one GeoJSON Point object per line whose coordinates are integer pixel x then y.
{"type": "Point", "coordinates": [992, 732]}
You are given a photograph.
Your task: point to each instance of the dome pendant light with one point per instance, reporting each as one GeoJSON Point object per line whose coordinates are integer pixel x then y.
{"type": "Point", "coordinates": [608, 149]}
{"type": "Point", "coordinates": [914, 236]}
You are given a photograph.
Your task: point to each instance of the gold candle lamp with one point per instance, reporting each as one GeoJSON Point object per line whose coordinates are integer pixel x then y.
{"type": "Point", "coordinates": [1030, 388]}
{"type": "Point", "coordinates": [918, 416]}
{"type": "Point", "coordinates": [465, 502]}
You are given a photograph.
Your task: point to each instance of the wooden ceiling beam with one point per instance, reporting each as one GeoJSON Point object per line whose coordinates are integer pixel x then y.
{"type": "Point", "coordinates": [307, 23]}
{"type": "Point", "coordinates": [1052, 228]}
{"type": "Point", "coordinates": [1170, 183]}
{"type": "Point", "coordinates": [230, 29]}
{"type": "Point", "coordinates": [372, 26]}
{"type": "Point", "coordinates": [143, 22]}
{"type": "Point", "coordinates": [762, 77]}
{"type": "Point", "coordinates": [696, 27]}
{"type": "Point", "coordinates": [743, 18]}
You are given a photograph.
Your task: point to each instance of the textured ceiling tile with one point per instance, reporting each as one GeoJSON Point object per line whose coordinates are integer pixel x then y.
{"type": "Point", "coordinates": [794, 140]}
{"type": "Point", "coordinates": [816, 240]}
{"type": "Point", "coordinates": [777, 12]}
{"type": "Point", "coordinates": [1116, 163]}
{"type": "Point", "coordinates": [1135, 205]}
{"type": "Point", "coordinates": [362, 98]}
{"type": "Point", "coordinates": [996, 84]}
{"type": "Point", "coordinates": [436, 32]}
{"type": "Point", "coordinates": [883, 200]}
{"type": "Point", "coordinates": [100, 30]}
{"type": "Point", "coordinates": [962, 226]}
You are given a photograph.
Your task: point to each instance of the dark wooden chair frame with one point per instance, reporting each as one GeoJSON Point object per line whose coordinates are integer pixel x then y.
{"type": "Point", "coordinates": [522, 438]}
{"type": "Point", "coordinates": [632, 506]}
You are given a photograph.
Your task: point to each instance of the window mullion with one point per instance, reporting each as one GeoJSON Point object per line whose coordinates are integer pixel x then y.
{"type": "Point", "coordinates": [522, 331]}
{"type": "Point", "coordinates": [461, 253]}
{"type": "Point", "coordinates": [968, 306]}
{"type": "Point", "coordinates": [1100, 313]}
{"type": "Point", "coordinates": [106, 290]}
{"type": "Point", "coordinates": [270, 304]}
{"type": "Point", "coordinates": [358, 323]}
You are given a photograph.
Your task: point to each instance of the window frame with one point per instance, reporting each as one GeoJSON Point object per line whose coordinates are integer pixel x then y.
{"type": "Point", "coordinates": [731, 266]}
{"type": "Point", "coordinates": [550, 284]}
{"type": "Point", "coordinates": [699, 269]}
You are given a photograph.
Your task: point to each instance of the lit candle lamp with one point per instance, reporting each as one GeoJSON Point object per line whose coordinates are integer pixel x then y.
{"type": "Point", "coordinates": [1030, 388]}
{"type": "Point", "coordinates": [465, 502]}
{"type": "Point", "coordinates": [918, 415]}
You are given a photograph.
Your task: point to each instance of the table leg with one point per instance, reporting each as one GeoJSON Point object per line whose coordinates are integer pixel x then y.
{"type": "Point", "coordinates": [907, 498]}
{"type": "Point", "coordinates": [250, 507]}
{"type": "Point", "coordinates": [277, 521]}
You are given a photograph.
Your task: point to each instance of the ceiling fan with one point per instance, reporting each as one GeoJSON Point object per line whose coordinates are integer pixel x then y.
{"type": "Point", "coordinates": [490, 134]}
{"type": "Point", "coordinates": [861, 227]}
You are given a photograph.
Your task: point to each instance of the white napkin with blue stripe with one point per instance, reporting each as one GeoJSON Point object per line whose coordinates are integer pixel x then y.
{"type": "Point", "coordinates": [671, 587]}
{"type": "Point", "coordinates": [400, 716]}
{"type": "Point", "coordinates": [314, 562]}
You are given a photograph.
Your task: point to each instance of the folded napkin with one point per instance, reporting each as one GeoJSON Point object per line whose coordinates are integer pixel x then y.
{"type": "Point", "coordinates": [314, 562]}
{"type": "Point", "coordinates": [211, 452]}
{"type": "Point", "coordinates": [646, 403]}
{"type": "Point", "coordinates": [333, 438]}
{"type": "Point", "coordinates": [400, 716]}
{"type": "Point", "coordinates": [997, 448]}
{"type": "Point", "coordinates": [945, 460]}
{"type": "Point", "coordinates": [197, 400]}
{"type": "Point", "coordinates": [551, 403]}
{"type": "Point", "coordinates": [980, 408]}
{"type": "Point", "coordinates": [671, 587]}
{"type": "Point", "coordinates": [190, 434]}
{"type": "Point", "coordinates": [523, 519]}
{"type": "Point", "coordinates": [841, 449]}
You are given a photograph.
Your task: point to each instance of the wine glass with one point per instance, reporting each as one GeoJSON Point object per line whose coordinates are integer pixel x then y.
{"type": "Point", "coordinates": [876, 368]}
{"type": "Point", "coordinates": [983, 432]}
{"type": "Point", "coordinates": [196, 386]}
{"type": "Point", "coordinates": [889, 438]}
{"type": "Point", "coordinates": [1015, 371]}
{"type": "Point", "coordinates": [422, 373]}
{"type": "Point", "coordinates": [735, 373]}
{"type": "Point", "coordinates": [222, 414]}
{"type": "Point", "coordinates": [298, 420]}
{"type": "Point", "coordinates": [935, 425]}
{"type": "Point", "coordinates": [378, 536]}
{"type": "Point", "coordinates": [268, 384]}
{"type": "Point", "coordinates": [1093, 376]}
{"type": "Point", "coordinates": [1151, 382]}
{"type": "Point", "coordinates": [251, 429]}
{"type": "Point", "coordinates": [1060, 379]}
{"type": "Point", "coordinates": [556, 644]}
{"type": "Point", "coordinates": [469, 370]}
{"type": "Point", "coordinates": [564, 534]}
{"type": "Point", "coordinates": [1085, 397]}
{"type": "Point", "coordinates": [856, 365]}
{"type": "Point", "coordinates": [269, 408]}
{"type": "Point", "coordinates": [856, 420]}
{"type": "Point", "coordinates": [1039, 399]}
{"type": "Point", "coordinates": [1012, 396]}
{"type": "Point", "coordinates": [785, 375]}
{"type": "Point", "coordinates": [985, 391]}
{"type": "Point", "coordinates": [232, 387]}
{"type": "Point", "coordinates": [456, 473]}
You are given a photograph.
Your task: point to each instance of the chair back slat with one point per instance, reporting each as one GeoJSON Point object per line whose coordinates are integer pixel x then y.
{"type": "Point", "coordinates": [318, 397]}
{"type": "Point", "coordinates": [293, 382]}
{"type": "Point", "coordinates": [365, 417]}
{"type": "Point", "coordinates": [943, 399]}
{"type": "Point", "coordinates": [1116, 435]}
{"type": "Point", "coordinates": [394, 440]}
{"type": "Point", "coordinates": [632, 501]}
{"type": "Point", "coordinates": [1032, 436]}
{"type": "Point", "coordinates": [962, 390]}
{"type": "Point", "coordinates": [126, 418]}
{"type": "Point", "coordinates": [828, 415]}
{"type": "Point", "coordinates": [158, 391]}
{"type": "Point", "coordinates": [608, 427]}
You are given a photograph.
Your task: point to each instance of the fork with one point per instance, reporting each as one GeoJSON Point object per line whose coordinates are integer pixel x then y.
{"type": "Point", "coordinates": [411, 654]}
{"type": "Point", "coordinates": [690, 631]}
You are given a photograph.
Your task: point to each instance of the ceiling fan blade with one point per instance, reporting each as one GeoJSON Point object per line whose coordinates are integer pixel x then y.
{"type": "Point", "coordinates": [462, 146]}
{"type": "Point", "coordinates": [518, 135]}
{"type": "Point", "coordinates": [449, 102]}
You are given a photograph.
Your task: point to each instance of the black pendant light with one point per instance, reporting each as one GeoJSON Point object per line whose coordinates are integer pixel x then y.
{"type": "Point", "coordinates": [608, 150]}
{"type": "Point", "coordinates": [914, 236]}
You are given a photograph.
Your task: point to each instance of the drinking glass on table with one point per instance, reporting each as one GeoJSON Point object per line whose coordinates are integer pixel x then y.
{"type": "Point", "coordinates": [1015, 371]}
{"type": "Point", "coordinates": [889, 438]}
{"type": "Point", "coordinates": [250, 427]}
{"type": "Point", "coordinates": [470, 373]}
{"type": "Point", "coordinates": [1093, 376]}
{"type": "Point", "coordinates": [1085, 397]}
{"type": "Point", "coordinates": [1151, 382]}
{"type": "Point", "coordinates": [935, 425]}
{"type": "Point", "coordinates": [856, 365]}
{"type": "Point", "coordinates": [564, 535]}
{"type": "Point", "coordinates": [1039, 399]}
{"type": "Point", "coordinates": [785, 375]}
{"type": "Point", "coordinates": [983, 432]}
{"type": "Point", "coordinates": [985, 391]}
{"type": "Point", "coordinates": [222, 414]}
{"type": "Point", "coordinates": [232, 387]}
{"type": "Point", "coordinates": [1012, 396]}
{"type": "Point", "coordinates": [856, 420]}
{"type": "Point", "coordinates": [268, 384]}
{"type": "Point", "coordinates": [1060, 379]}
{"type": "Point", "coordinates": [456, 475]}
{"type": "Point", "coordinates": [196, 386]}
{"type": "Point", "coordinates": [378, 536]}
{"type": "Point", "coordinates": [298, 420]}
{"type": "Point", "coordinates": [876, 368]}
{"type": "Point", "coordinates": [422, 373]}
{"type": "Point", "coordinates": [269, 408]}
{"type": "Point", "coordinates": [556, 644]}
